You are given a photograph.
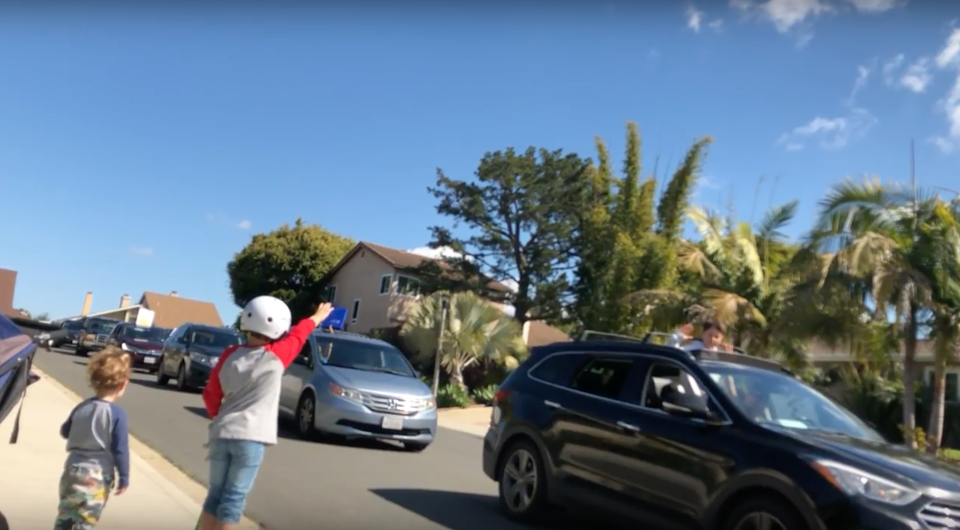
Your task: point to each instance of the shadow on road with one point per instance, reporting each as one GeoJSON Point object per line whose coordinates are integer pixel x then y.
{"type": "Point", "coordinates": [199, 411]}
{"type": "Point", "coordinates": [4, 525]}
{"type": "Point", "coordinates": [81, 363]}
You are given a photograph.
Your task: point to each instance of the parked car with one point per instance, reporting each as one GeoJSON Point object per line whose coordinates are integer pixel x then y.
{"type": "Point", "coordinates": [143, 344]}
{"type": "Point", "coordinates": [352, 386]}
{"type": "Point", "coordinates": [191, 351]}
{"type": "Point", "coordinates": [702, 440]}
{"type": "Point", "coordinates": [93, 333]}
{"type": "Point", "coordinates": [65, 335]}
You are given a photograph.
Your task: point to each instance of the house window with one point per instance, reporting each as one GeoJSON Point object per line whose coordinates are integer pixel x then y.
{"type": "Point", "coordinates": [386, 281]}
{"type": "Point", "coordinates": [952, 387]}
{"type": "Point", "coordinates": [355, 312]}
{"type": "Point", "coordinates": [331, 293]}
{"type": "Point", "coordinates": [408, 286]}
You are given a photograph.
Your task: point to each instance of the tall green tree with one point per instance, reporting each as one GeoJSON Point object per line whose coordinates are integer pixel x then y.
{"type": "Point", "coordinates": [289, 263]}
{"type": "Point", "coordinates": [593, 242]}
{"type": "Point", "coordinates": [519, 219]}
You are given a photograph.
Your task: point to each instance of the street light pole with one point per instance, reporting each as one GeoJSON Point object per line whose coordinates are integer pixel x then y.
{"type": "Point", "coordinates": [436, 358]}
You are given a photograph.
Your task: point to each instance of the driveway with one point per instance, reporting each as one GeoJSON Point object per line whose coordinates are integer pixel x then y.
{"type": "Point", "coordinates": [315, 484]}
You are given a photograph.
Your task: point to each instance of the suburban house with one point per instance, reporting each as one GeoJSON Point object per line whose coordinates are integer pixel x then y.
{"type": "Point", "coordinates": [8, 284]}
{"type": "Point", "coordinates": [825, 357]}
{"type": "Point", "coordinates": [170, 310]}
{"type": "Point", "coordinates": [378, 286]}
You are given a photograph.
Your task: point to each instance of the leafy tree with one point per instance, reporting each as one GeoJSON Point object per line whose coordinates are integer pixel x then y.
{"type": "Point", "coordinates": [519, 217]}
{"type": "Point", "coordinates": [474, 332]}
{"type": "Point", "coordinates": [289, 263]}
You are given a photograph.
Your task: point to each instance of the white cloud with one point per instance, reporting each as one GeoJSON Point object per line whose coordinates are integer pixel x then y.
{"type": "Point", "coordinates": [917, 76]}
{"type": "Point", "coordinates": [716, 25]}
{"type": "Point", "coordinates": [447, 252]}
{"type": "Point", "coordinates": [142, 251]}
{"type": "Point", "coordinates": [951, 50]}
{"type": "Point", "coordinates": [877, 6]}
{"type": "Point", "coordinates": [830, 133]}
{"type": "Point", "coordinates": [784, 14]}
{"type": "Point", "coordinates": [863, 76]}
{"type": "Point", "coordinates": [694, 19]}
{"type": "Point", "coordinates": [950, 106]}
{"type": "Point", "coordinates": [244, 225]}
{"type": "Point", "coordinates": [219, 219]}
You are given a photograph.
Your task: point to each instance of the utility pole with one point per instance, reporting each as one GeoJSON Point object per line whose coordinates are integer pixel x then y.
{"type": "Point", "coordinates": [436, 358]}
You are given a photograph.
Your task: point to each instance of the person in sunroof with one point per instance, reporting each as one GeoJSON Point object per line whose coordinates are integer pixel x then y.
{"type": "Point", "coordinates": [711, 338]}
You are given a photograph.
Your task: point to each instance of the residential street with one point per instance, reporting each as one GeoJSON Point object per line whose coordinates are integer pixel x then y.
{"type": "Point", "coordinates": [353, 486]}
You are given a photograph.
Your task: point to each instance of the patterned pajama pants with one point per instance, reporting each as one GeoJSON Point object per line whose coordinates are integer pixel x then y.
{"type": "Point", "coordinates": [83, 494]}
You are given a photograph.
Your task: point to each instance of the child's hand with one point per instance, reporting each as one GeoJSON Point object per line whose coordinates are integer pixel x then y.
{"type": "Point", "coordinates": [686, 330]}
{"type": "Point", "coordinates": [121, 490]}
{"type": "Point", "coordinates": [322, 312]}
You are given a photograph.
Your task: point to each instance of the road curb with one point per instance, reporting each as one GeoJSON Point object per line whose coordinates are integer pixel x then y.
{"type": "Point", "coordinates": [193, 489]}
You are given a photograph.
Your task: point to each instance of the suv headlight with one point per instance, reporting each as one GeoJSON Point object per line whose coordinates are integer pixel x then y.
{"type": "Point", "coordinates": [204, 359]}
{"type": "Point", "coordinates": [346, 393]}
{"type": "Point", "coordinates": [124, 347]}
{"type": "Point", "coordinates": [853, 481]}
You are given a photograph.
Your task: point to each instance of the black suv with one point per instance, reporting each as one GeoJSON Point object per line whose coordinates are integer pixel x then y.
{"type": "Point", "coordinates": [93, 334]}
{"type": "Point", "coordinates": [700, 441]}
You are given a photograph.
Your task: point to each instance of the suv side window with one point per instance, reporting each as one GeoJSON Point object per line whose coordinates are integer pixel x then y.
{"type": "Point", "coordinates": [603, 377]}
{"type": "Point", "coordinates": [558, 369]}
{"type": "Point", "coordinates": [666, 377]}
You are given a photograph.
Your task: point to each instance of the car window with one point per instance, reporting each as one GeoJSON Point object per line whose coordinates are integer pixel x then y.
{"type": "Point", "coordinates": [370, 357]}
{"type": "Point", "coordinates": [669, 378]}
{"type": "Point", "coordinates": [213, 339]}
{"type": "Point", "coordinates": [602, 377]}
{"type": "Point", "coordinates": [558, 369]}
{"type": "Point", "coordinates": [139, 334]}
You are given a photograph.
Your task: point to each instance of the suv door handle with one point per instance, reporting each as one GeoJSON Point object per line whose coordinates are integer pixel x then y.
{"type": "Point", "coordinates": [627, 426]}
{"type": "Point", "coordinates": [552, 404]}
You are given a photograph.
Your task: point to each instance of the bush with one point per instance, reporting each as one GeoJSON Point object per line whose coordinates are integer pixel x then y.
{"type": "Point", "coordinates": [452, 396]}
{"type": "Point", "coordinates": [484, 395]}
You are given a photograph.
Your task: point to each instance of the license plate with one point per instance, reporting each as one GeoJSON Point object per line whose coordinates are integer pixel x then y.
{"type": "Point", "coordinates": [73, 342]}
{"type": "Point", "coordinates": [392, 423]}
{"type": "Point", "coordinates": [150, 360]}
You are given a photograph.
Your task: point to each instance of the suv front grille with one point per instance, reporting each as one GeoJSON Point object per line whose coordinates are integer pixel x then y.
{"type": "Point", "coordinates": [102, 339]}
{"type": "Point", "coordinates": [392, 405]}
{"type": "Point", "coordinates": [939, 516]}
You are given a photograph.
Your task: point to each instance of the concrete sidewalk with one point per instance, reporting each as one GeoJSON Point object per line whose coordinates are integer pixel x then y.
{"type": "Point", "coordinates": [472, 420]}
{"type": "Point", "coordinates": [160, 496]}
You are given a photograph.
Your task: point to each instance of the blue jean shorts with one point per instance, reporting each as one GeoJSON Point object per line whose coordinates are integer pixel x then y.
{"type": "Point", "coordinates": [233, 468]}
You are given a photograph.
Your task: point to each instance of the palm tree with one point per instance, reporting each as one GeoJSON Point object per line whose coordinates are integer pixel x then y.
{"type": "Point", "coordinates": [474, 331]}
{"type": "Point", "coordinates": [888, 237]}
{"type": "Point", "coordinates": [743, 282]}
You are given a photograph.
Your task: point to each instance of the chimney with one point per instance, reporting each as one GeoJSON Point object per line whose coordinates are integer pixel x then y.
{"type": "Point", "coordinates": [174, 294]}
{"type": "Point", "coordinates": [86, 304]}
{"type": "Point", "coordinates": [125, 301]}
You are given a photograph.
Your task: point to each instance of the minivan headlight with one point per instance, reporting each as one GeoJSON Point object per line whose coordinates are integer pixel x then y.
{"type": "Point", "coordinates": [853, 481]}
{"type": "Point", "coordinates": [346, 393]}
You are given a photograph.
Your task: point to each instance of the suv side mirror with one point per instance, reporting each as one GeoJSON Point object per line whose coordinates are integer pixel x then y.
{"type": "Point", "coordinates": [685, 405]}
{"type": "Point", "coordinates": [184, 340]}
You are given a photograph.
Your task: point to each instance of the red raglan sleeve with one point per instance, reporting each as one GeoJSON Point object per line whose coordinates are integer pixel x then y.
{"type": "Point", "coordinates": [213, 392]}
{"type": "Point", "coordinates": [287, 348]}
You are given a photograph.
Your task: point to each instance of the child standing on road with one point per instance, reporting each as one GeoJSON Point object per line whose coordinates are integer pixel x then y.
{"type": "Point", "coordinates": [97, 445]}
{"type": "Point", "coordinates": [242, 398]}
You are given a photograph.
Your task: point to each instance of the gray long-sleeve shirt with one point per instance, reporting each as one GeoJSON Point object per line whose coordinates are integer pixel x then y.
{"type": "Point", "coordinates": [97, 435]}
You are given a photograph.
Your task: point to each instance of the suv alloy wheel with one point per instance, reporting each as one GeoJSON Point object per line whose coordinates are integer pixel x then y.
{"type": "Point", "coordinates": [764, 513]}
{"type": "Point", "coordinates": [523, 487]}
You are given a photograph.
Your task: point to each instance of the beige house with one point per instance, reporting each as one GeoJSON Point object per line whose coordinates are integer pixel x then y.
{"type": "Point", "coordinates": [377, 286]}
{"type": "Point", "coordinates": [170, 310]}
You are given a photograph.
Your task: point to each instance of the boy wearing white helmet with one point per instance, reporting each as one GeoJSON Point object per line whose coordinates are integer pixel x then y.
{"type": "Point", "coordinates": [242, 398]}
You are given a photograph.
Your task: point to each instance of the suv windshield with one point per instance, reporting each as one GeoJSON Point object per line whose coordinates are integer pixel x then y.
{"type": "Point", "coordinates": [214, 339]}
{"type": "Point", "coordinates": [368, 357]}
{"type": "Point", "coordinates": [144, 334]}
{"type": "Point", "coordinates": [72, 325]}
{"type": "Point", "coordinates": [775, 399]}
{"type": "Point", "coordinates": [100, 326]}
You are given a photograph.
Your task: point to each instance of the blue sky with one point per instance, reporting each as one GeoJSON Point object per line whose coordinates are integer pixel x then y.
{"type": "Point", "coordinates": [140, 149]}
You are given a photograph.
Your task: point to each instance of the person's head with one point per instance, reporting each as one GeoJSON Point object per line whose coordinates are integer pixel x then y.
{"type": "Point", "coordinates": [109, 372]}
{"type": "Point", "coordinates": [712, 336]}
{"type": "Point", "coordinates": [264, 320]}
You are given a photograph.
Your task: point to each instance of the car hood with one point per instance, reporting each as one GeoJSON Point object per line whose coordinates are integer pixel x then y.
{"type": "Point", "coordinates": [144, 344]}
{"type": "Point", "coordinates": [923, 469]}
{"type": "Point", "coordinates": [377, 382]}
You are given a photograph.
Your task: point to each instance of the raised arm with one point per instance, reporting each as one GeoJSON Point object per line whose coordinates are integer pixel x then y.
{"type": "Point", "coordinates": [288, 347]}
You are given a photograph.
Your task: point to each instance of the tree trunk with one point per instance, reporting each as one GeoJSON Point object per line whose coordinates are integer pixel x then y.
{"type": "Point", "coordinates": [456, 377]}
{"type": "Point", "coordinates": [935, 427]}
{"type": "Point", "coordinates": [909, 383]}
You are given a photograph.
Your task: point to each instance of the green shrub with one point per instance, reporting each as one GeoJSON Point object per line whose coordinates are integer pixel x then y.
{"type": "Point", "coordinates": [453, 396]}
{"type": "Point", "coordinates": [484, 395]}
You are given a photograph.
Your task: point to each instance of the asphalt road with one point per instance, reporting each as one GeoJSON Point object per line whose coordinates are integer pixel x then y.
{"type": "Point", "coordinates": [310, 484]}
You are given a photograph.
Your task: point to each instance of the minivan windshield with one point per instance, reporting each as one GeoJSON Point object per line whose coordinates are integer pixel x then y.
{"type": "Point", "coordinates": [368, 357]}
{"type": "Point", "coordinates": [775, 399]}
{"type": "Point", "coordinates": [138, 334]}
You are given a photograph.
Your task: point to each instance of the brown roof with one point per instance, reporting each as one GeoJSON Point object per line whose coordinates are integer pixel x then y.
{"type": "Point", "coordinates": [539, 333]}
{"type": "Point", "coordinates": [402, 259]}
{"type": "Point", "coordinates": [172, 311]}
{"type": "Point", "coordinates": [8, 284]}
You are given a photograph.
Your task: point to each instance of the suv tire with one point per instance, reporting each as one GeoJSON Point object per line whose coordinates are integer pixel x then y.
{"type": "Point", "coordinates": [162, 378]}
{"type": "Point", "coordinates": [522, 483]}
{"type": "Point", "coordinates": [746, 516]}
{"type": "Point", "coordinates": [182, 384]}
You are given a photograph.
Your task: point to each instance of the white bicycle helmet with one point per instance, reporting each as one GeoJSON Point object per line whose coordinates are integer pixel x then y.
{"type": "Point", "coordinates": [267, 316]}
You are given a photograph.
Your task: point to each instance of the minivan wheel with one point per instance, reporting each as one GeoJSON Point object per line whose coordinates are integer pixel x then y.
{"type": "Point", "coordinates": [306, 414]}
{"type": "Point", "coordinates": [523, 485]}
{"type": "Point", "coordinates": [765, 513]}
{"type": "Point", "coordinates": [162, 378]}
{"type": "Point", "coordinates": [182, 378]}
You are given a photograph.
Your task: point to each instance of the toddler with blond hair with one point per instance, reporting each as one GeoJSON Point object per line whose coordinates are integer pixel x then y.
{"type": "Point", "coordinates": [98, 456]}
